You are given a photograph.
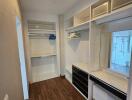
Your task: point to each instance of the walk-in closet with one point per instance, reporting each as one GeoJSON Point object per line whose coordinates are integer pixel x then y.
{"type": "Point", "coordinates": [79, 49]}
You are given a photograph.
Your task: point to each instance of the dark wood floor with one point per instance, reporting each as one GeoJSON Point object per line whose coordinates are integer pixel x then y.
{"type": "Point", "coordinates": [54, 89]}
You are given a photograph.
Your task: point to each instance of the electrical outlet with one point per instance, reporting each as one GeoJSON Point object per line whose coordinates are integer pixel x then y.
{"type": "Point", "coordinates": [6, 97]}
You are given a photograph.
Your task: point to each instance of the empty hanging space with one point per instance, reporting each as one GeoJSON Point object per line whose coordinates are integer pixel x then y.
{"type": "Point", "coordinates": [42, 38]}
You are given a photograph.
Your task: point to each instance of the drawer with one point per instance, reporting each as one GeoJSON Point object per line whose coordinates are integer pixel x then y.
{"type": "Point", "coordinates": [81, 84]}
{"type": "Point", "coordinates": [81, 73]}
{"type": "Point", "coordinates": [83, 91]}
{"type": "Point", "coordinates": [85, 81]}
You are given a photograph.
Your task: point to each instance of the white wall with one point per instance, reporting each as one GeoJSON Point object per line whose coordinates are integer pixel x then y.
{"type": "Point", "coordinates": [77, 50]}
{"type": "Point", "coordinates": [10, 73]}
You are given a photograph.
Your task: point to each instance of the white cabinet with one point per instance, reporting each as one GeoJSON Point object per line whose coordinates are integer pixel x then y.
{"type": "Point", "coordinates": [101, 94]}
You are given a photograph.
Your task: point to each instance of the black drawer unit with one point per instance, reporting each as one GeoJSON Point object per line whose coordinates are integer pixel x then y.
{"type": "Point", "coordinates": [80, 80]}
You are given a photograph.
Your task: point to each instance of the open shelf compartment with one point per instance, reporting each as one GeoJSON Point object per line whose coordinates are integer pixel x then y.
{"type": "Point", "coordinates": [116, 4]}
{"type": "Point", "coordinates": [100, 8]}
{"type": "Point", "coordinates": [119, 14]}
{"type": "Point", "coordinates": [82, 17]}
{"type": "Point", "coordinates": [83, 26]}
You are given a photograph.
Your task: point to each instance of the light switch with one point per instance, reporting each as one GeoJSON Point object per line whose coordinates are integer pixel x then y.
{"type": "Point", "coordinates": [6, 97]}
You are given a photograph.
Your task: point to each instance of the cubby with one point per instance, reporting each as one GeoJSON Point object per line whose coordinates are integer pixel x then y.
{"type": "Point", "coordinates": [82, 17]}
{"type": "Point", "coordinates": [100, 8]}
{"type": "Point", "coordinates": [39, 25]}
{"type": "Point", "coordinates": [116, 4]}
{"type": "Point", "coordinates": [69, 23]}
{"type": "Point", "coordinates": [43, 50]}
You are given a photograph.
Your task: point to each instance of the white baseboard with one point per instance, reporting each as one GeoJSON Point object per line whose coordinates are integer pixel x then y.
{"type": "Point", "coordinates": [44, 76]}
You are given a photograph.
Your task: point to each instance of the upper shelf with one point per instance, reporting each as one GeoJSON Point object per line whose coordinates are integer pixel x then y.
{"type": "Point", "coordinates": [41, 31]}
{"type": "Point", "coordinates": [40, 54]}
{"type": "Point", "coordinates": [33, 24]}
{"type": "Point", "coordinates": [83, 26]}
{"type": "Point", "coordinates": [118, 14]}
{"type": "Point", "coordinates": [81, 17]}
{"type": "Point", "coordinates": [39, 27]}
{"type": "Point", "coordinates": [103, 11]}
{"type": "Point", "coordinates": [100, 8]}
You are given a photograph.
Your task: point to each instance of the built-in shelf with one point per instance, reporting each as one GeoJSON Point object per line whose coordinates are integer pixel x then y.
{"type": "Point", "coordinates": [81, 17]}
{"type": "Point", "coordinates": [43, 50]}
{"type": "Point", "coordinates": [41, 31]}
{"type": "Point", "coordinates": [83, 26]}
{"type": "Point", "coordinates": [105, 16]}
{"type": "Point", "coordinates": [36, 35]}
{"type": "Point", "coordinates": [38, 55]}
{"type": "Point", "coordinates": [118, 14]}
{"type": "Point", "coordinates": [32, 24]}
{"type": "Point", "coordinates": [100, 8]}
{"type": "Point", "coordinates": [116, 4]}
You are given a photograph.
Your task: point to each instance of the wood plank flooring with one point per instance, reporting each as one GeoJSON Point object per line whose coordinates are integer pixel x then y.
{"type": "Point", "coordinates": [54, 89]}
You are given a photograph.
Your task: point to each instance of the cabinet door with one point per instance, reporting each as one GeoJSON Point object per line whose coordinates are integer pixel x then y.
{"type": "Point", "coordinates": [101, 94]}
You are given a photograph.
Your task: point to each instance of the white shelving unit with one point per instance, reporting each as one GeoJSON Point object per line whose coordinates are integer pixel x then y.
{"type": "Point", "coordinates": [44, 58]}
{"type": "Point", "coordinates": [93, 45]}
{"type": "Point", "coordinates": [108, 16]}
{"type": "Point", "coordinates": [119, 14]}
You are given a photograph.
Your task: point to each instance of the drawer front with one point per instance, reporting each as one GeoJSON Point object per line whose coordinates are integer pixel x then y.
{"type": "Point", "coordinates": [119, 3]}
{"type": "Point", "coordinates": [79, 72]}
{"type": "Point", "coordinates": [80, 80]}
{"type": "Point", "coordinates": [85, 81]}
{"type": "Point", "coordinates": [81, 84]}
{"type": "Point", "coordinates": [83, 92]}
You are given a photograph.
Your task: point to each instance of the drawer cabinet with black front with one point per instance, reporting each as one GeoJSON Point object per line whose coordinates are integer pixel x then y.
{"type": "Point", "coordinates": [80, 80]}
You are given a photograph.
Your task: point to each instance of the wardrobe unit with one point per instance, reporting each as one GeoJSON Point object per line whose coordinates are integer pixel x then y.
{"type": "Point", "coordinates": [43, 50]}
{"type": "Point", "coordinates": [87, 39]}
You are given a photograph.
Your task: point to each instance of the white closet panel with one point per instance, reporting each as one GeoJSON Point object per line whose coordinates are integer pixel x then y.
{"type": "Point", "coordinates": [101, 94]}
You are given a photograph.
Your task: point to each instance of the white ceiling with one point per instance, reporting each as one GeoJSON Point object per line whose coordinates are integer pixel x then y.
{"type": "Point", "coordinates": [48, 6]}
